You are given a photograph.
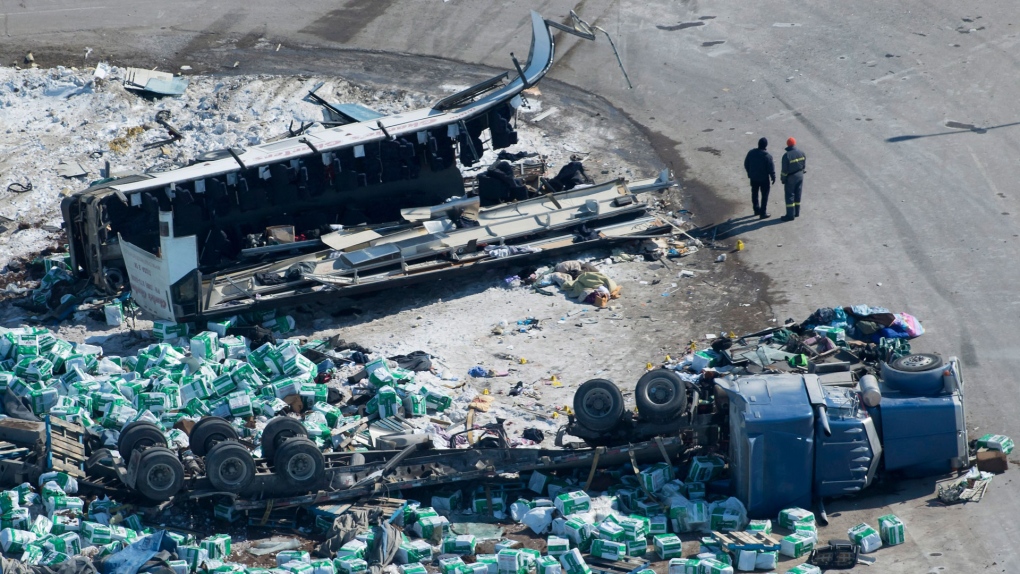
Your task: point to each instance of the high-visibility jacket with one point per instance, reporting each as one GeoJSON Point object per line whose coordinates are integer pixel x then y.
{"type": "Point", "coordinates": [794, 163]}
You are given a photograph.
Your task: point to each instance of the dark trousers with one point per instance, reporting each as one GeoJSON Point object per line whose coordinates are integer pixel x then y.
{"type": "Point", "coordinates": [764, 186]}
{"type": "Point", "coordinates": [793, 187]}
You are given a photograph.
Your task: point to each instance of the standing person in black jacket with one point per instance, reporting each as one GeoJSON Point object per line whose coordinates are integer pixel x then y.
{"type": "Point", "coordinates": [792, 176]}
{"type": "Point", "coordinates": [761, 170]}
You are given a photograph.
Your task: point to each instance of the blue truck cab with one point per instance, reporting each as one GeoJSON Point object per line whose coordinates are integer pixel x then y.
{"type": "Point", "coordinates": [797, 439]}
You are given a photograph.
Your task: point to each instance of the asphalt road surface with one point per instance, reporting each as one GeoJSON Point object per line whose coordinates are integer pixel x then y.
{"type": "Point", "coordinates": [907, 112]}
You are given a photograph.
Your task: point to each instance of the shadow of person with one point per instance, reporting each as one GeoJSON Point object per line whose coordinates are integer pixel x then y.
{"type": "Point", "coordinates": [740, 226]}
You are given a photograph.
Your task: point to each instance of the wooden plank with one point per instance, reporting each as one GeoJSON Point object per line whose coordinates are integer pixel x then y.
{"type": "Point", "coordinates": [66, 444]}
{"type": "Point", "coordinates": [22, 432]}
{"type": "Point", "coordinates": [733, 541]}
{"type": "Point", "coordinates": [68, 468]}
{"type": "Point", "coordinates": [12, 454]}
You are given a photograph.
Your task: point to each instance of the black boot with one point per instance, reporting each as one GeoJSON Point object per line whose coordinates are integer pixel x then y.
{"type": "Point", "coordinates": [796, 211]}
{"type": "Point", "coordinates": [789, 214]}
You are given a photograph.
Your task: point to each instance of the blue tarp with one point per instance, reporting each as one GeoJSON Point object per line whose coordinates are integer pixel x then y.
{"type": "Point", "coordinates": [134, 556]}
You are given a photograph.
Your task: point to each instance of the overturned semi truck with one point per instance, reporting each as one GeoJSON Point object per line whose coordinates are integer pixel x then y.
{"type": "Point", "coordinates": [178, 237]}
{"type": "Point", "coordinates": [795, 439]}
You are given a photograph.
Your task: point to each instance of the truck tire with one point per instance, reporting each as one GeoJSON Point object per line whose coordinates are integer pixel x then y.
{"type": "Point", "coordinates": [917, 363]}
{"type": "Point", "coordinates": [660, 395]}
{"type": "Point", "coordinates": [160, 474]}
{"type": "Point", "coordinates": [299, 462]}
{"type": "Point", "coordinates": [209, 431]}
{"type": "Point", "coordinates": [139, 435]}
{"type": "Point", "coordinates": [278, 430]}
{"type": "Point", "coordinates": [598, 404]}
{"type": "Point", "coordinates": [229, 466]}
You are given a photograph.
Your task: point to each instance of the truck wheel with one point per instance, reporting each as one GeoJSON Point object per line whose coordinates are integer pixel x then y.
{"type": "Point", "coordinates": [160, 474]}
{"type": "Point", "coordinates": [209, 431]}
{"type": "Point", "coordinates": [598, 404]}
{"type": "Point", "coordinates": [278, 430]}
{"type": "Point", "coordinates": [139, 435]}
{"type": "Point", "coordinates": [229, 466]}
{"type": "Point", "coordinates": [299, 462]}
{"type": "Point", "coordinates": [660, 395]}
{"type": "Point", "coordinates": [917, 363]}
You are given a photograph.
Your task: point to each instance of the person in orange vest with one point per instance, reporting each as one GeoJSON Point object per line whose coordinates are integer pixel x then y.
{"type": "Point", "coordinates": [792, 176]}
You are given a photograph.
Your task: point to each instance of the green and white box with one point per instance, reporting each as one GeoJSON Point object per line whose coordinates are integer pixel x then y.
{"type": "Point", "coordinates": [634, 527]}
{"type": "Point", "coordinates": [463, 544]}
{"type": "Point", "coordinates": [194, 555]}
{"type": "Point", "coordinates": [240, 404]}
{"type": "Point", "coordinates": [573, 502]}
{"type": "Point", "coordinates": [636, 547]}
{"type": "Point", "coordinates": [437, 400]}
{"type": "Point", "coordinates": [415, 405]}
{"type": "Point", "coordinates": [14, 541]}
{"type": "Point", "coordinates": [696, 490]}
{"type": "Point", "coordinates": [480, 503]}
{"type": "Point", "coordinates": [791, 516]}
{"type": "Point", "coordinates": [892, 530]}
{"type": "Point", "coordinates": [710, 566]}
{"type": "Point", "coordinates": [351, 566]}
{"type": "Point", "coordinates": [218, 546]}
{"type": "Point", "coordinates": [179, 566]}
{"type": "Point", "coordinates": [804, 569]}
{"type": "Point", "coordinates": [705, 468]}
{"type": "Point", "coordinates": [491, 562]}
{"type": "Point", "coordinates": [227, 513]}
{"type": "Point", "coordinates": [431, 527]}
{"type": "Point", "coordinates": [579, 531]}
{"type": "Point", "coordinates": [763, 526]}
{"type": "Point", "coordinates": [608, 550]}
{"type": "Point", "coordinates": [658, 524]}
{"type": "Point", "coordinates": [796, 544]}
{"type": "Point", "coordinates": [446, 501]}
{"type": "Point", "coordinates": [221, 327]}
{"type": "Point", "coordinates": [573, 563]}
{"type": "Point", "coordinates": [511, 561]}
{"type": "Point", "coordinates": [668, 546]}
{"type": "Point", "coordinates": [766, 560]}
{"type": "Point", "coordinates": [998, 442]}
{"type": "Point", "coordinates": [725, 519]}
{"type": "Point", "coordinates": [412, 568]}
{"type": "Point", "coordinates": [610, 530]}
{"type": "Point", "coordinates": [286, 556]}
{"type": "Point", "coordinates": [683, 565]}
{"type": "Point", "coordinates": [866, 537]}
{"type": "Point", "coordinates": [356, 549]}
{"type": "Point", "coordinates": [296, 567]}
{"type": "Point", "coordinates": [204, 345]}
{"type": "Point", "coordinates": [557, 546]}
{"type": "Point", "coordinates": [450, 565]}
{"type": "Point", "coordinates": [808, 527]}
{"type": "Point", "coordinates": [549, 565]}
{"type": "Point", "coordinates": [163, 330]}
{"type": "Point", "coordinates": [655, 476]}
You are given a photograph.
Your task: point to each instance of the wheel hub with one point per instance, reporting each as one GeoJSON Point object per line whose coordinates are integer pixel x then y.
{"type": "Point", "coordinates": [917, 361]}
{"type": "Point", "coordinates": [300, 466]}
{"type": "Point", "coordinates": [160, 477]}
{"type": "Point", "coordinates": [597, 403]}
{"type": "Point", "coordinates": [233, 471]}
{"type": "Point", "coordinates": [660, 393]}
